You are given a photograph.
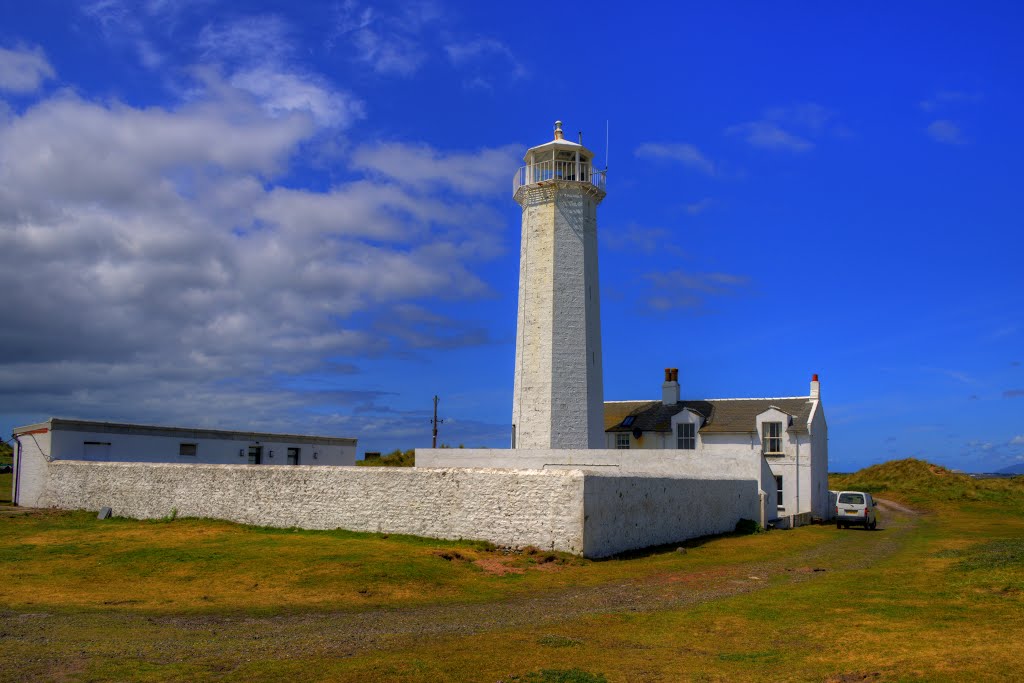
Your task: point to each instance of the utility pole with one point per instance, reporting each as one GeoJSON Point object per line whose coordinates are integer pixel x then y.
{"type": "Point", "coordinates": [435, 422]}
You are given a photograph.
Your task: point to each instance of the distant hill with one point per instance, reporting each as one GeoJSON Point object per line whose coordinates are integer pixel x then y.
{"type": "Point", "coordinates": [926, 485]}
{"type": "Point", "coordinates": [1012, 469]}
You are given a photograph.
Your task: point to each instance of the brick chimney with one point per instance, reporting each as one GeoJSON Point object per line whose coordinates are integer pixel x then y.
{"type": "Point", "coordinates": [815, 387]}
{"type": "Point", "coordinates": [670, 389]}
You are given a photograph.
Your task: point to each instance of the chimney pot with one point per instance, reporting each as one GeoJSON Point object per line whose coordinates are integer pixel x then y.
{"type": "Point", "coordinates": [815, 387]}
{"type": "Point", "coordinates": [668, 374]}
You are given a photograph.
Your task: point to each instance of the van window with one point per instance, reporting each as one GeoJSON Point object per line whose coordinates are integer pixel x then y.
{"type": "Point", "coordinates": [851, 498]}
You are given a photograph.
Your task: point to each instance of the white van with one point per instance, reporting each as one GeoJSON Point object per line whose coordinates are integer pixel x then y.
{"type": "Point", "coordinates": [855, 507]}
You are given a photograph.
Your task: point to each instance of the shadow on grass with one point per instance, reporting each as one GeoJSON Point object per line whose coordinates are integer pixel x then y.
{"type": "Point", "coordinates": [664, 548]}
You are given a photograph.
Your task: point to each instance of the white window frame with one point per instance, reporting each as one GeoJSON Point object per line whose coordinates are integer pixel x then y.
{"type": "Point", "coordinates": [768, 439]}
{"type": "Point", "coordinates": [622, 440]}
{"type": "Point", "coordinates": [779, 500]}
{"type": "Point", "coordinates": [686, 442]}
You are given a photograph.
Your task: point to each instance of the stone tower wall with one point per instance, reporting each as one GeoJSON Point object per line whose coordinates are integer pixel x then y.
{"type": "Point", "coordinates": [558, 395]}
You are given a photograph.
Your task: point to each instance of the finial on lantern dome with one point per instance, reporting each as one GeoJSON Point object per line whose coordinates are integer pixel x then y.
{"type": "Point", "coordinates": [558, 130]}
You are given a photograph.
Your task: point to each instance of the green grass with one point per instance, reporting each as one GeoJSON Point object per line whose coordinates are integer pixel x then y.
{"type": "Point", "coordinates": [63, 560]}
{"type": "Point", "coordinates": [559, 676]}
{"type": "Point", "coordinates": [943, 600]}
{"type": "Point", "coordinates": [6, 490]}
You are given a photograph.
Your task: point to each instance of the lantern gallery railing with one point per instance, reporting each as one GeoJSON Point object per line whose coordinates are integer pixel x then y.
{"type": "Point", "coordinates": [559, 170]}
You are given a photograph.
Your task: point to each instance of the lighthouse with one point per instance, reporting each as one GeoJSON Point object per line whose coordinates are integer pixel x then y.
{"type": "Point", "coordinates": [558, 396]}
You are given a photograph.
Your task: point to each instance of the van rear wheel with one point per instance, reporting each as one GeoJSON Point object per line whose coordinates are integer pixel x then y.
{"type": "Point", "coordinates": [874, 523]}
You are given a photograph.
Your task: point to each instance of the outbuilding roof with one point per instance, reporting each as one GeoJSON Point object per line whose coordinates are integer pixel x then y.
{"type": "Point", "coordinates": [721, 415]}
{"type": "Point", "coordinates": [97, 427]}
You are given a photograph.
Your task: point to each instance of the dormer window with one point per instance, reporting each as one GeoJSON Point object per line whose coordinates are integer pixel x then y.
{"type": "Point", "coordinates": [686, 436]}
{"type": "Point", "coordinates": [771, 438]}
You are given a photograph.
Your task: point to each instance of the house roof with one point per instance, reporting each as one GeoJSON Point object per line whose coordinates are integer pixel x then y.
{"type": "Point", "coordinates": [721, 415]}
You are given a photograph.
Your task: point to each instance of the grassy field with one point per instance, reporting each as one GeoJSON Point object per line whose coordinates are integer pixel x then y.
{"type": "Point", "coordinates": [6, 458]}
{"type": "Point", "coordinates": [6, 490]}
{"type": "Point", "coordinates": [935, 596]}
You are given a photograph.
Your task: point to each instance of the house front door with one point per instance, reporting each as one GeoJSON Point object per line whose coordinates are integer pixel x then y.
{"type": "Point", "coordinates": [255, 455]}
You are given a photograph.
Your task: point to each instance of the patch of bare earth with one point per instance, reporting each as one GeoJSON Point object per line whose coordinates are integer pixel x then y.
{"type": "Point", "coordinates": [854, 677]}
{"type": "Point", "coordinates": [496, 566]}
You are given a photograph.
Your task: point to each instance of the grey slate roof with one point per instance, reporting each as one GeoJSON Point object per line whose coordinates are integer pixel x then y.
{"type": "Point", "coordinates": [721, 415]}
{"type": "Point", "coordinates": [97, 427]}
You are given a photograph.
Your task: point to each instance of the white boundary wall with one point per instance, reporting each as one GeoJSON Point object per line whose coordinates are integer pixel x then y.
{"type": "Point", "coordinates": [673, 463]}
{"type": "Point", "coordinates": [676, 463]}
{"type": "Point", "coordinates": [511, 508]}
{"type": "Point", "coordinates": [594, 514]}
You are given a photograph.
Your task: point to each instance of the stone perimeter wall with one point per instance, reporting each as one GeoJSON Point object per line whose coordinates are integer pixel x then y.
{"type": "Point", "coordinates": [590, 513]}
{"type": "Point", "coordinates": [629, 512]}
{"type": "Point", "coordinates": [515, 508]}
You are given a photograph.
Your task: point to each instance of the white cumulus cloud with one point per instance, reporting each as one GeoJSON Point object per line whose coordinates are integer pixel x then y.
{"type": "Point", "coordinates": [167, 274]}
{"type": "Point", "coordinates": [684, 153]}
{"type": "Point", "coordinates": [23, 70]}
{"type": "Point", "coordinates": [422, 166]}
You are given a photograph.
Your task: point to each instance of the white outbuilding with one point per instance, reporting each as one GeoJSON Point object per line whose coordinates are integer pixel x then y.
{"type": "Point", "coordinates": [85, 440]}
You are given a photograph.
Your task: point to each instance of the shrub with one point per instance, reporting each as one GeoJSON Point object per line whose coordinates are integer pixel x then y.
{"type": "Point", "coordinates": [396, 458]}
{"type": "Point", "coordinates": [551, 640]}
{"type": "Point", "coordinates": [748, 526]}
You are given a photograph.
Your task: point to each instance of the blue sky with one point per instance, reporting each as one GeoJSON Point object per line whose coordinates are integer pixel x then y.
{"type": "Point", "coordinates": [298, 216]}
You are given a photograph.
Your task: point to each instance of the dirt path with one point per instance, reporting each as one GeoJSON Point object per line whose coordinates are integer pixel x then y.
{"type": "Point", "coordinates": [893, 505]}
{"type": "Point", "coordinates": [339, 634]}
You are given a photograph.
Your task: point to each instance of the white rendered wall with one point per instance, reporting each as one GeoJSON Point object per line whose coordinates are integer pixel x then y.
{"type": "Point", "coordinates": [819, 473]}
{"type": "Point", "coordinates": [583, 512]}
{"type": "Point", "coordinates": [69, 445]}
{"type": "Point", "coordinates": [730, 462]}
{"type": "Point", "coordinates": [623, 513]}
{"type": "Point", "coordinates": [558, 393]}
{"type": "Point", "coordinates": [515, 508]}
{"type": "Point", "coordinates": [30, 474]}
{"type": "Point", "coordinates": [663, 462]}
{"type": "Point", "coordinates": [795, 465]}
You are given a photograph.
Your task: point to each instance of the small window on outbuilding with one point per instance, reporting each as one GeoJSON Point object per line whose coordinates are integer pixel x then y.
{"type": "Point", "coordinates": [622, 440]}
{"type": "Point", "coordinates": [96, 450]}
{"type": "Point", "coordinates": [188, 449]}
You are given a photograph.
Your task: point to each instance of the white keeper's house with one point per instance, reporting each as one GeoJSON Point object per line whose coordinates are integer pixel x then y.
{"type": "Point", "coordinates": [790, 433]}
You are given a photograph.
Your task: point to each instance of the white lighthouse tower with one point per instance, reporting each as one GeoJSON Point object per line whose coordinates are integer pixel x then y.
{"type": "Point", "coordinates": [558, 400]}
